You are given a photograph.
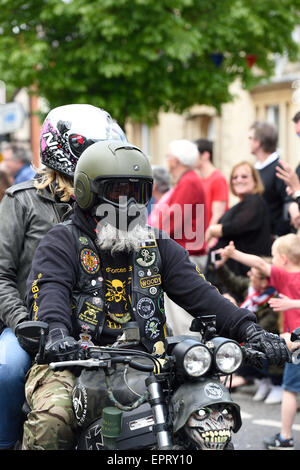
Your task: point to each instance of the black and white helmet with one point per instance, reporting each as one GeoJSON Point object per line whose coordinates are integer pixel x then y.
{"type": "Point", "coordinates": [68, 130]}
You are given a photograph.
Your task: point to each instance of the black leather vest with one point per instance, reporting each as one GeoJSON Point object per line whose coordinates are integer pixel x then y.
{"type": "Point", "coordinates": [147, 306]}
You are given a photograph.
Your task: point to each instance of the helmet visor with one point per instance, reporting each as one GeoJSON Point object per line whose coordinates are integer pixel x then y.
{"type": "Point", "coordinates": [120, 191]}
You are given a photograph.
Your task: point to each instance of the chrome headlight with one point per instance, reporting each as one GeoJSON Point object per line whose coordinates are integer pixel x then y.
{"type": "Point", "coordinates": [228, 356]}
{"type": "Point", "coordinates": [197, 361]}
{"type": "Point", "coordinates": [193, 359]}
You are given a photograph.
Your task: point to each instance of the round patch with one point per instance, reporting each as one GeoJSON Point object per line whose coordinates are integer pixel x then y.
{"type": "Point", "coordinates": [213, 391]}
{"type": "Point", "coordinates": [152, 328]}
{"type": "Point", "coordinates": [145, 308]}
{"type": "Point", "coordinates": [89, 261]}
{"type": "Point", "coordinates": [146, 257]}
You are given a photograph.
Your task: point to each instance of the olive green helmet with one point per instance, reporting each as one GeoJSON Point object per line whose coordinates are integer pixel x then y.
{"type": "Point", "coordinates": [109, 170]}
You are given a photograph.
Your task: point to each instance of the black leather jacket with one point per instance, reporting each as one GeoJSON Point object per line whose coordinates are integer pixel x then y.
{"type": "Point", "coordinates": [26, 214]}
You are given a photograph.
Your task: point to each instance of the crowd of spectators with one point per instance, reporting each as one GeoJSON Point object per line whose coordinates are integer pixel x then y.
{"type": "Point", "coordinates": [191, 203]}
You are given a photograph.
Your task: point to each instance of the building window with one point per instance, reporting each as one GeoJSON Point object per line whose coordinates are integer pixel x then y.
{"type": "Point", "coordinates": [273, 115]}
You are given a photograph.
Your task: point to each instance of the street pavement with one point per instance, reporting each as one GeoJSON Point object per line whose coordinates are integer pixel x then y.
{"type": "Point", "coordinates": [259, 420]}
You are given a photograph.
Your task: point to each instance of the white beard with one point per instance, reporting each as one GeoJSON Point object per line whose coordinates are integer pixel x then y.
{"type": "Point", "coordinates": [114, 240]}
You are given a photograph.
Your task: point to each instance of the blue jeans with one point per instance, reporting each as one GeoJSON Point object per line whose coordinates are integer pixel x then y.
{"type": "Point", "coordinates": [291, 377]}
{"type": "Point", "coordinates": [14, 364]}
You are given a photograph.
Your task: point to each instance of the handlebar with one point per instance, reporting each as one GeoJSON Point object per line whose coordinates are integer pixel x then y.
{"type": "Point", "coordinates": [88, 363]}
{"type": "Point", "coordinates": [103, 356]}
{"type": "Point", "coordinates": [104, 361]}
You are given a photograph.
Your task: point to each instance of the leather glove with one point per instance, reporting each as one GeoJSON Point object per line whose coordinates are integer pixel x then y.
{"type": "Point", "coordinates": [29, 344]}
{"type": "Point", "coordinates": [60, 346]}
{"type": "Point", "coordinates": [270, 344]}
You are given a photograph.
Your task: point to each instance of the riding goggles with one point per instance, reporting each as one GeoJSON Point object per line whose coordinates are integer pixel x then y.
{"type": "Point", "coordinates": [120, 191]}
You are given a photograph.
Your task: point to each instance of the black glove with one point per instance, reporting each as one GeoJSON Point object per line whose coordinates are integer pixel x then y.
{"type": "Point", "coordinates": [271, 345]}
{"type": "Point", "coordinates": [28, 343]}
{"type": "Point", "coordinates": [60, 346]}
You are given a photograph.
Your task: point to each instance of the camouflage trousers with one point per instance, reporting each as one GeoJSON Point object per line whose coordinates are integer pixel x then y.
{"type": "Point", "coordinates": [51, 423]}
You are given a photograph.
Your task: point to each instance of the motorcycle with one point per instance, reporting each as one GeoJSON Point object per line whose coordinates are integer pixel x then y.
{"type": "Point", "coordinates": [128, 399]}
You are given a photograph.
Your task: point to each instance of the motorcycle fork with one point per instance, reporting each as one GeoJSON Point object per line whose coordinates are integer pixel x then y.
{"type": "Point", "coordinates": [157, 403]}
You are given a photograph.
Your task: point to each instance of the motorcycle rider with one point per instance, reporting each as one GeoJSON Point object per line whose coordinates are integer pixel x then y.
{"type": "Point", "coordinates": [27, 212]}
{"type": "Point", "coordinates": [104, 267]}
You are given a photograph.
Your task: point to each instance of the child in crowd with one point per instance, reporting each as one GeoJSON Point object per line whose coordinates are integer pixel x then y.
{"type": "Point", "coordinates": [254, 292]}
{"type": "Point", "coordinates": [284, 275]}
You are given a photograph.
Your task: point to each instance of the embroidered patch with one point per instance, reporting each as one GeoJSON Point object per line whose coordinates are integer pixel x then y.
{"type": "Point", "coordinates": [146, 257]}
{"type": "Point", "coordinates": [83, 240]}
{"type": "Point", "coordinates": [150, 281]}
{"type": "Point", "coordinates": [145, 308]}
{"type": "Point", "coordinates": [89, 261]}
{"type": "Point", "coordinates": [149, 243]}
{"type": "Point", "coordinates": [89, 313]}
{"type": "Point", "coordinates": [79, 399]}
{"type": "Point", "coordinates": [85, 340]}
{"type": "Point", "coordinates": [152, 328]}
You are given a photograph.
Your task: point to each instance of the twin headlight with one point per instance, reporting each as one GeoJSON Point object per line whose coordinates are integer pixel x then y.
{"type": "Point", "coordinates": [228, 357]}
{"type": "Point", "coordinates": [195, 359]}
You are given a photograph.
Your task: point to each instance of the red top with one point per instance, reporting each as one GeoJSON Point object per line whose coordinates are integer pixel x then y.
{"type": "Point", "coordinates": [183, 215]}
{"type": "Point", "coordinates": [216, 189]}
{"type": "Point", "coordinates": [287, 283]}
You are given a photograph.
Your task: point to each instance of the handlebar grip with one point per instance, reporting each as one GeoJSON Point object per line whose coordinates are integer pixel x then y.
{"type": "Point", "coordinates": [252, 356]}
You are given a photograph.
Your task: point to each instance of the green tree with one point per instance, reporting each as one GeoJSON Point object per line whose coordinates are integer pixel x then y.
{"type": "Point", "coordinates": [138, 57]}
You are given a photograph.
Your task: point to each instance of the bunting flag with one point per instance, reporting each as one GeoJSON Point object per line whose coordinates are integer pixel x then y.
{"type": "Point", "coordinates": [251, 59]}
{"type": "Point", "coordinates": [217, 58]}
